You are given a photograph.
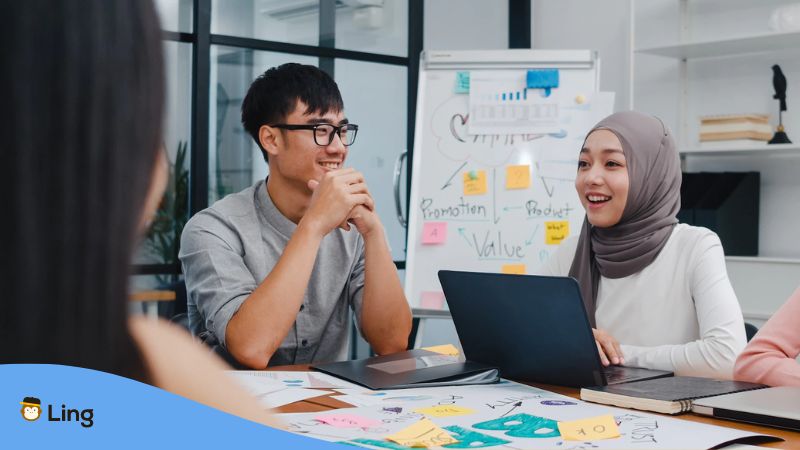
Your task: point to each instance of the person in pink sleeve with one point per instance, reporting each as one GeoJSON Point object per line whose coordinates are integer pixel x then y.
{"type": "Point", "coordinates": [770, 358]}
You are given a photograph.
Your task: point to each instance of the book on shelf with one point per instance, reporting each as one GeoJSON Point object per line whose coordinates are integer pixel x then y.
{"type": "Point", "coordinates": [671, 395]}
{"type": "Point", "coordinates": [735, 127]}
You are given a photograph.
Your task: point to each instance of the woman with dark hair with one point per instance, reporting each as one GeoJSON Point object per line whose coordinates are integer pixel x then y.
{"type": "Point", "coordinates": [83, 91]}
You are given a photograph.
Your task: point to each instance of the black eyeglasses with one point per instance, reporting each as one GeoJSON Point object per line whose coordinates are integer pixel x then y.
{"type": "Point", "coordinates": [323, 132]}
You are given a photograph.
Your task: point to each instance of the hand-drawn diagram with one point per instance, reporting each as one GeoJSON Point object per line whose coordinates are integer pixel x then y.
{"type": "Point", "coordinates": [502, 416]}
{"type": "Point", "coordinates": [496, 202]}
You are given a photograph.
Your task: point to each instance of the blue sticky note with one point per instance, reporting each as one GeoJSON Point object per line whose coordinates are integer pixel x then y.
{"type": "Point", "coordinates": [546, 79]}
{"type": "Point", "coordinates": [462, 83]}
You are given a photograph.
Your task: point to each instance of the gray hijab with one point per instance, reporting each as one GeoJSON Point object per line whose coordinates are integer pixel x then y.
{"type": "Point", "coordinates": [647, 221]}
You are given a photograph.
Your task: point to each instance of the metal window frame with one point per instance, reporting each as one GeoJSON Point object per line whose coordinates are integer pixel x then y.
{"type": "Point", "coordinates": [202, 39]}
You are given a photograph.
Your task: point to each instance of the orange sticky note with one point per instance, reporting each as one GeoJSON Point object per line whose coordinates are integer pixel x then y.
{"type": "Point", "coordinates": [518, 177]}
{"type": "Point", "coordinates": [475, 182]}
{"type": "Point", "coordinates": [422, 434]}
{"type": "Point", "coordinates": [517, 269]}
{"type": "Point", "coordinates": [593, 429]}
{"type": "Point", "coordinates": [434, 233]}
{"type": "Point", "coordinates": [431, 300]}
{"type": "Point", "coordinates": [555, 232]}
{"type": "Point", "coordinates": [445, 349]}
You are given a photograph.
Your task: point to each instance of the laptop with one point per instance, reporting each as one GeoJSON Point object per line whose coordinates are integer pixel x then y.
{"type": "Point", "coordinates": [532, 328]}
{"type": "Point", "coordinates": [774, 407]}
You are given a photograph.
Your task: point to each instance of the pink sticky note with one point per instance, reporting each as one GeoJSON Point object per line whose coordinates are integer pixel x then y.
{"type": "Point", "coordinates": [347, 421]}
{"type": "Point", "coordinates": [434, 233]}
{"type": "Point", "coordinates": [431, 300]}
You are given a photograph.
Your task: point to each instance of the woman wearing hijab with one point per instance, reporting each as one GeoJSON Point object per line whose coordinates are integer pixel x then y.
{"type": "Point", "coordinates": [83, 91]}
{"type": "Point", "coordinates": [656, 292]}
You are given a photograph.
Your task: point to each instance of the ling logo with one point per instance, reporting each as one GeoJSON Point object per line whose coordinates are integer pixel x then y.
{"type": "Point", "coordinates": [31, 408]}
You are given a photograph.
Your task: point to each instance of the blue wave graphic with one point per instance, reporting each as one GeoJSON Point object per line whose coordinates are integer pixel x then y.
{"type": "Point", "coordinates": [125, 414]}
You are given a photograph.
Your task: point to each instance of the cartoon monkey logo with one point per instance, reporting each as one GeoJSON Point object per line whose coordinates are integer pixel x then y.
{"type": "Point", "coordinates": [31, 408]}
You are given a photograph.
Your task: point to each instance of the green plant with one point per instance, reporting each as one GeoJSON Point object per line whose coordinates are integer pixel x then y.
{"type": "Point", "coordinates": [164, 236]}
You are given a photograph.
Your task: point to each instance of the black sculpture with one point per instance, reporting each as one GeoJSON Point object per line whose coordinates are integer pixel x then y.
{"type": "Point", "coordinates": [779, 83]}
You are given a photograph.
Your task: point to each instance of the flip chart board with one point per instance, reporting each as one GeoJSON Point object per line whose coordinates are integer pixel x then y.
{"type": "Point", "coordinates": [494, 161]}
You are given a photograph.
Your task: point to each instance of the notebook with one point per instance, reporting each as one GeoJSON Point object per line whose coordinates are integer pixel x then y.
{"type": "Point", "coordinates": [410, 369]}
{"type": "Point", "coordinates": [672, 395]}
{"type": "Point", "coordinates": [774, 407]}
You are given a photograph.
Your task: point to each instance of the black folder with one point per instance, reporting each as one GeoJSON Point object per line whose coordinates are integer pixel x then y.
{"type": "Point", "coordinates": [411, 369]}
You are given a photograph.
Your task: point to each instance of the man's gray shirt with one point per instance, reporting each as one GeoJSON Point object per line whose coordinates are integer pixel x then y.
{"type": "Point", "coordinates": [228, 249]}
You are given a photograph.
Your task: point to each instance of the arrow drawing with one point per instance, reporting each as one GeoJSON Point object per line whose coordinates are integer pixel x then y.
{"type": "Point", "coordinates": [494, 203]}
{"type": "Point", "coordinates": [516, 405]}
{"type": "Point", "coordinates": [461, 232]}
{"type": "Point", "coordinates": [530, 239]}
{"type": "Point", "coordinates": [448, 182]}
{"type": "Point", "coordinates": [546, 189]}
{"type": "Point", "coordinates": [511, 208]}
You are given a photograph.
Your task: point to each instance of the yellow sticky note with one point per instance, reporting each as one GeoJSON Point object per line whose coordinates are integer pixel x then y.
{"type": "Point", "coordinates": [596, 428]}
{"type": "Point", "coordinates": [422, 434]}
{"type": "Point", "coordinates": [445, 411]}
{"type": "Point", "coordinates": [518, 177]}
{"type": "Point", "coordinates": [475, 185]}
{"type": "Point", "coordinates": [446, 349]}
{"type": "Point", "coordinates": [516, 269]}
{"type": "Point", "coordinates": [555, 232]}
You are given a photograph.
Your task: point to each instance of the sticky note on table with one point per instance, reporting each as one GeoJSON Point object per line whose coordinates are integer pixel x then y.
{"type": "Point", "coordinates": [475, 182]}
{"type": "Point", "coordinates": [347, 421]}
{"type": "Point", "coordinates": [555, 232]}
{"type": "Point", "coordinates": [422, 434]}
{"type": "Point", "coordinates": [595, 428]}
{"type": "Point", "coordinates": [518, 177]}
{"type": "Point", "coordinates": [445, 411]}
{"type": "Point", "coordinates": [434, 233]}
{"type": "Point", "coordinates": [431, 300]}
{"type": "Point", "coordinates": [516, 269]}
{"type": "Point", "coordinates": [446, 349]}
{"type": "Point", "coordinates": [462, 83]}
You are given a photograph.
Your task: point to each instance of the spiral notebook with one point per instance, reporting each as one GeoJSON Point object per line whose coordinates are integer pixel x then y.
{"type": "Point", "coordinates": [672, 395]}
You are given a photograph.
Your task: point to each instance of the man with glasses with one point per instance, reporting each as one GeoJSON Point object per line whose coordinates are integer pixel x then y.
{"type": "Point", "coordinates": [272, 272]}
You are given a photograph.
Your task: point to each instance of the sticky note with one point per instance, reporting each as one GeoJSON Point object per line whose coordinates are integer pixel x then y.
{"type": "Point", "coordinates": [434, 233]}
{"type": "Point", "coordinates": [596, 428]}
{"type": "Point", "coordinates": [445, 411]}
{"type": "Point", "coordinates": [516, 269]}
{"type": "Point", "coordinates": [347, 421]}
{"type": "Point", "coordinates": [422, 434]}
{"type": "Point", "coordinates": [518, 177]}
{"type": "Point", "coordinates": [476, 184]}
{"type": "Point", "coordinates": [462, 83]}
{"type": "Point", "coordinates": [431, 300]}
{"type": "Point", "coordinates": [446, 349]}
{"type": "Point", "coordinates": [555, 232]}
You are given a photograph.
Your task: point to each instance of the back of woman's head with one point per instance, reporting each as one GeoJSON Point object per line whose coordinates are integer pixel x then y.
{"type": "Point", "coordinates": [82, 88]}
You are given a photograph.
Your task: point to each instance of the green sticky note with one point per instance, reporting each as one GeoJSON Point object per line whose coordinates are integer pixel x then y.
{"type": "Point", "coordinates": [462, 83]}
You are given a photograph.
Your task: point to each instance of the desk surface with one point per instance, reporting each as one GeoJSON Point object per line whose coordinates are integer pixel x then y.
{"type": "Point", "coordinates": [325, 403]}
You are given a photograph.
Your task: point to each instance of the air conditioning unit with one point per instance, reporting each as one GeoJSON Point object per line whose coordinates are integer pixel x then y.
{"type": "Point", "coordinates": [291, 9]}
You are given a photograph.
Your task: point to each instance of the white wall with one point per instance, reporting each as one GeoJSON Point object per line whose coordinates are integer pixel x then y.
{"type": "Point", "coordinates": [586, 24]}
{"type": "Point", "coordinates": [465, 25]}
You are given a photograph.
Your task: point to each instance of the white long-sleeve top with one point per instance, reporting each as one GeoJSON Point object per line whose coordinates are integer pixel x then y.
{"type": "Point", "coordinates": [679, 313]}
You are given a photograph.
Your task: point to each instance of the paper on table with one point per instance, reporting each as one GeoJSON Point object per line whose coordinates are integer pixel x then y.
{"type": "Point", "coordinates": [347, 421]}
{"type": "Point", "coordinates": [592, 429]}
{"type": "Point", "coordinates": [295, 379]}
{"type": "Point", "coordinates": [288, 395]}
{"type": "Point", "coordinates": [422, 434]}
{"type": "Point", "coordinates": [445, 411]}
